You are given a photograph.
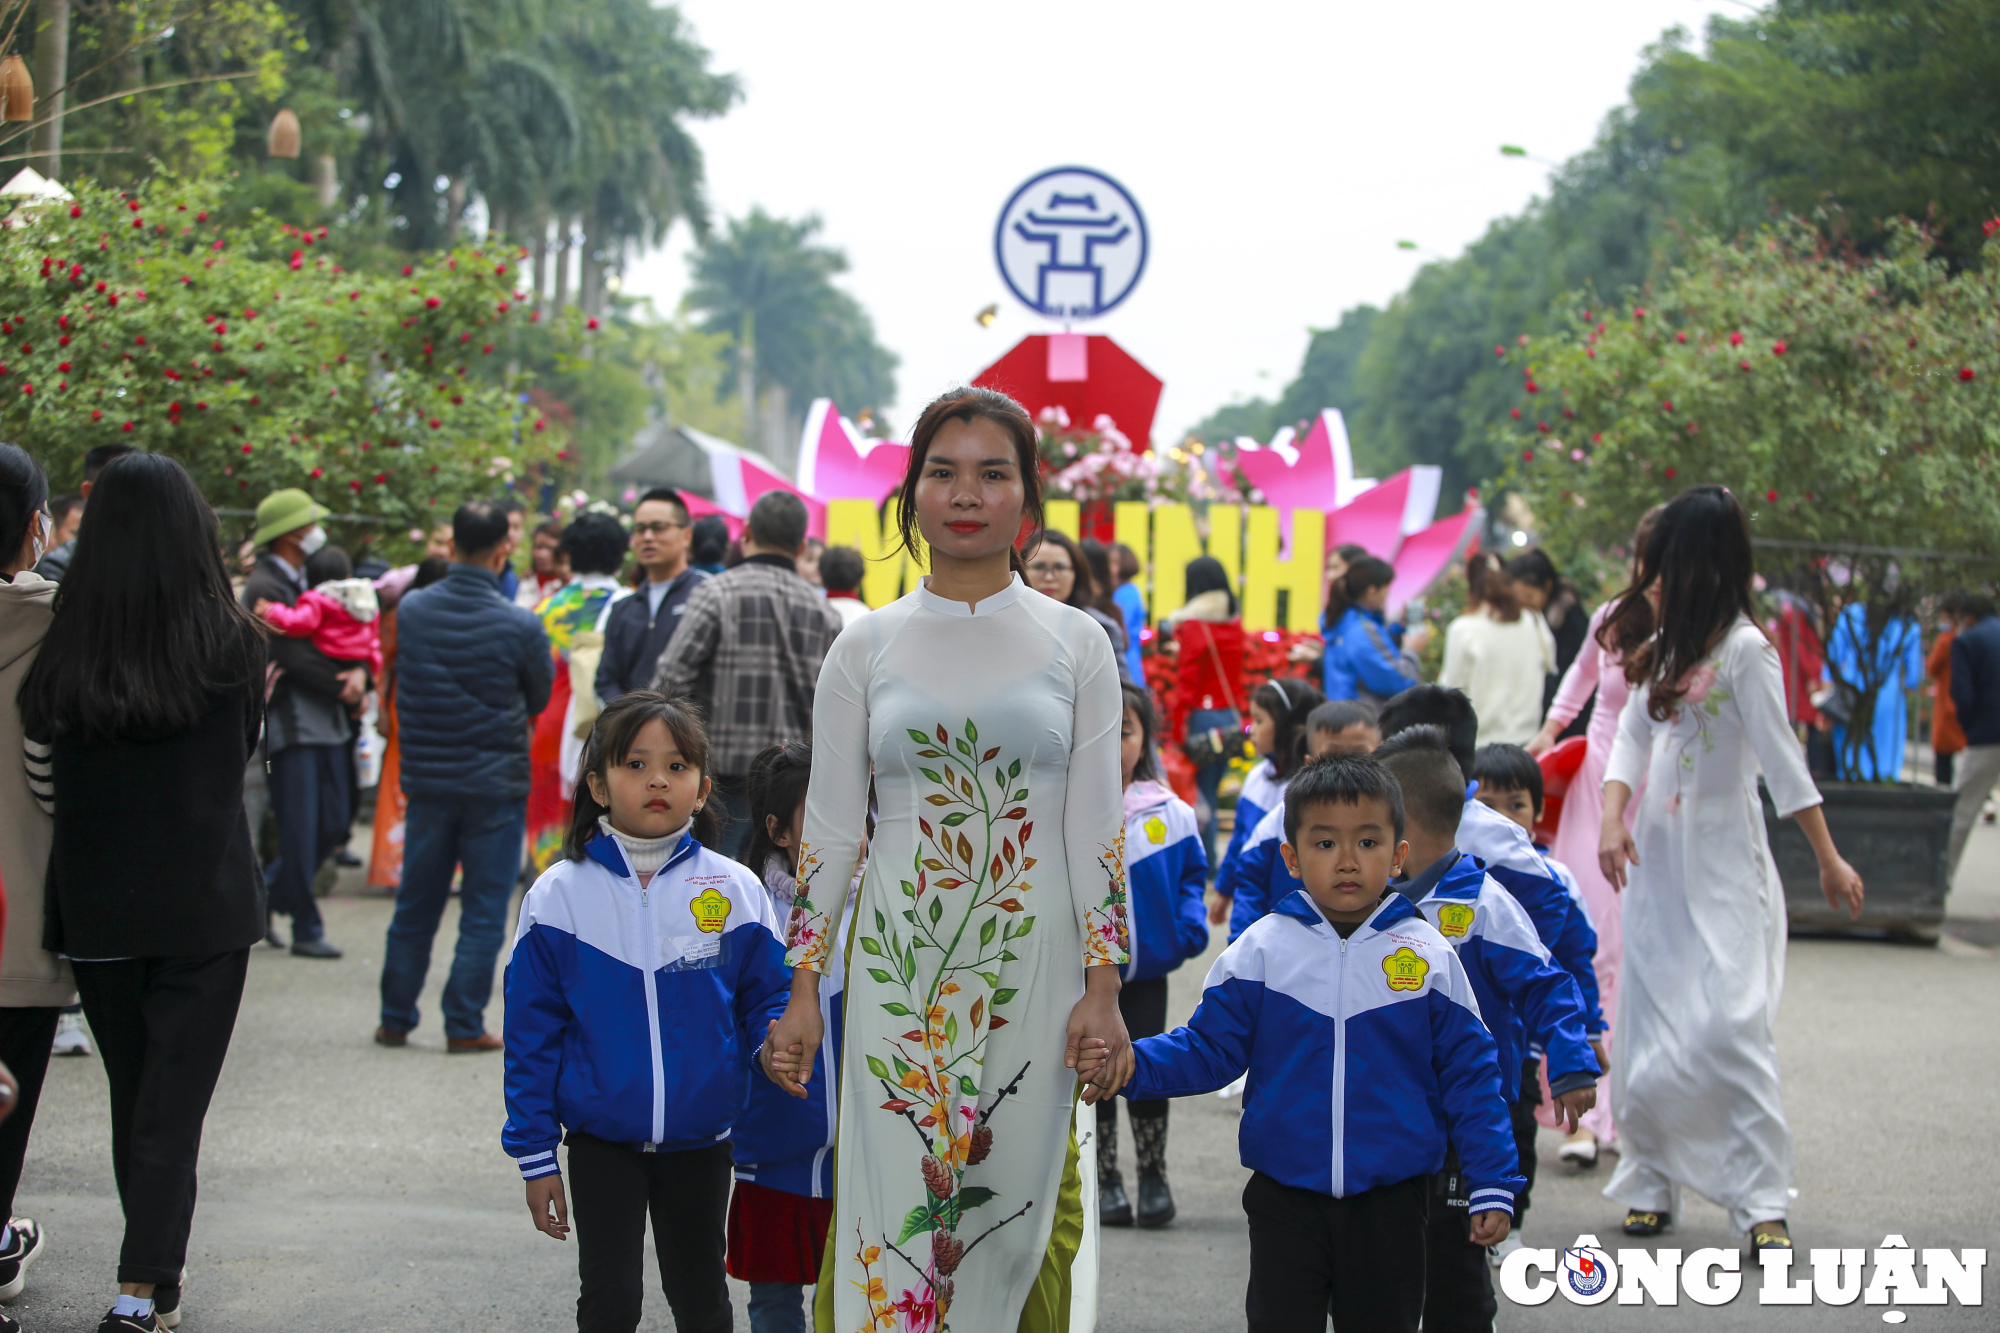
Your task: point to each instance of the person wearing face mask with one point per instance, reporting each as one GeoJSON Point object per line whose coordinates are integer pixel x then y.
{"type": "Point", "coordinates": [308, 729]}
{"type": "Point", "coordinates": [53, 563]}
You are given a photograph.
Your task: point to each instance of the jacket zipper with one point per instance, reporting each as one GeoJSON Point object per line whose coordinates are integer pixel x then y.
{"type": "Point", "coordinates": [651, 953]}
{"type": "Point", "coordinates": [1340, 1072]}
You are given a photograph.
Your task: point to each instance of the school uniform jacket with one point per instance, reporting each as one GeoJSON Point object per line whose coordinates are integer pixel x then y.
{"type": "Point", "coordinates": [1560, 923]}
{"type": "Point", "coordinates": [1262, 881]}
{"type": "Point", "coordinates": [633, 1013]}
{"type": "Point", "coordinates": [1364, 1054]}
{"type": "Point", "coordinates": [1165, 872]}
{"type": "Point", "coordinates": [1523, 996]}
{"type": "Point", "coordinates": [1262, 791]}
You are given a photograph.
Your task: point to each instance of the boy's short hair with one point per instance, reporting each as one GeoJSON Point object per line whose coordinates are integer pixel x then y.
{"type": "Point", "coordinates": [1341, 779]}
{"type": "Point", "coordinates": [1337, 716]}
{"type": "Point", "coordinates": [1433, 785]}
{"type": "Point", "coordinates": [841, 569]}
{"type": "Point", "coordinates": [1435, 706]}
{"type": "Point", "coordinates": [1508, 768]}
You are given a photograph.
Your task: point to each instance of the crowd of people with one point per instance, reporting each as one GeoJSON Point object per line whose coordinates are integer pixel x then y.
{"type": "Point", "coordinates": [795, 980]}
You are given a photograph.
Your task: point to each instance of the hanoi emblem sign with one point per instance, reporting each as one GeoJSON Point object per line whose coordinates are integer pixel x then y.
{"type": "Point", "coordinates": [1071, 243]}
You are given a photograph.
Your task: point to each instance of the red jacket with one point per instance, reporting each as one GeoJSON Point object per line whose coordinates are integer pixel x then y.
{"type": "Point", "coordinates": [1197, 684]}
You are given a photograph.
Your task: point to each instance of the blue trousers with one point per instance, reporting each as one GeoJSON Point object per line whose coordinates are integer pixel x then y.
{"type": "Point", "coordinates": [441, 833]}
{"type": "Point", "coordinates": [309, 794]}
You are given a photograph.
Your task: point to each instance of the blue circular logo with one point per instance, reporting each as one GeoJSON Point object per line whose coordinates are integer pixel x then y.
{"type": "Point", "coordinates": [1071, 243]}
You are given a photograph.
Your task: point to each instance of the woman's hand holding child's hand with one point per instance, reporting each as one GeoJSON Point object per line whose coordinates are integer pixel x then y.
{"type": "Point", "coordinates": [791, 1042]}
{"type": "Point", "coordinates": [547, 1206]}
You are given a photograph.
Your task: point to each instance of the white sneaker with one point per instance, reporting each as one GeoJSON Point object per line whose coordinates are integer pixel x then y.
{"type": "Point", "coordinates": [71, 1036]}
{"type": "Point", "coordinates": [1497, 1254]}
{"type": "Point", "coordinates": [1580, 1150]}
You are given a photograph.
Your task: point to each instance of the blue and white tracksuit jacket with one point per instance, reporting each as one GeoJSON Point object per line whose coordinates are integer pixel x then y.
{"type": "Point", "coordinates": [784, 1142]}
{"type": "Point", "coordinates": [1165, 873]}
{"type": "Point", "coordinates": [1365, 1055]}
{"type": "Point", "coordinates": [1262, 881]}
{"type": "Point", "coordinates": [1262, 791]}
{"type": "Point", "coordinates": [1523, 996]}
{"type": "Point", "coordinates": [633, 1013]}
{"type": "Point", "coordinates": [1560, 921]}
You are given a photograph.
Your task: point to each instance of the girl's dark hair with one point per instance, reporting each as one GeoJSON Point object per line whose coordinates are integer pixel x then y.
{"type": "Point", "coordinates": [595, 544]}
{"type": "Point", "coordinates": [1206, 574]}
{"type": "Point", "coordinates": [1535, 569]}
{"type": "Point", "coordinates": [1638, 623]}
{"type": "Point", "coordinates": [148, 637]}
{"type": "Point", "coordinates": [429, 571]}
{"type": "Point", "coordinates": [968, 405]}
{"type": "Point", "coordinates": [1289, 702]}
{"type": "Point", "coordinates": [1102, 581]}
{"type": "Point", "coordinates": [1141, 704]}
{"type": "Point", "coordinates": [775, 785]}
{"type": "Point", "coordinates": [1486, 580]}
{"type": "Point", "coordinates": [1508, 768]}
{"type": "Point", "coordinates": [1362, 575]}
{"type": "Point", "coordinates": [1128, 562]}
{"type": "Point", "coordinates": [617, 729]}
{"type": "Point", "coordinates": [1338, 715]}
{"type": "Point", "coordinates": [326, 564]}
{"type": "Point", "coordinates": [1083, 588]}
{"type": "Point", "coordinates": [708, 540]}
{"type": "Point", "coordinates": [1699, 554]}
{"type": "Point", "coordinates": [24, 493]}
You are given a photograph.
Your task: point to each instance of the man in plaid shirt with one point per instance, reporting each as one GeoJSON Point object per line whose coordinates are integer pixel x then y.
{"type": "Point", "coordinates": [748, 650]}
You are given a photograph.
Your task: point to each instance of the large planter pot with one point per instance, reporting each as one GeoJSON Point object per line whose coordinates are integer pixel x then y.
{"type": "Point", "coordinates": [1893, 835]}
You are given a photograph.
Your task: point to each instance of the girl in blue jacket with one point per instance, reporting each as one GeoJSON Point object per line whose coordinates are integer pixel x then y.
{"type": "Point", "coordinates": [783, 1204]}
{"type": "Point", "coordinates": [1165, 869]}
{"type": "Point", "coordinates": [1365, 657]}
{"type": "Point", "coordinates": [1278, 711]}
{"type": "Point", "coordinates": [646, 970]}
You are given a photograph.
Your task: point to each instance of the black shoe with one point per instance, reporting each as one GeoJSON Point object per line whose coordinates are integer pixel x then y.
{"type": "Point", "coordinates": [318, 948]}
{"type": "Point", "coordinates": [1763, 1238]}
{"type": "Point", "coordinates": [343, 857]}
{"type": "Point", "coordinates": [8, 1324]}
{"type": "Point", "coordinates": [1156, 1202]}
{"type": "Point", "coordinates": [131, 1323]}
{"type": "Point", "coordinates": [23, 1247]}
{"type": "Point", "coordinates": [1113, 1208]}
{"type": "Point", "coordinates": [1641, 1223]}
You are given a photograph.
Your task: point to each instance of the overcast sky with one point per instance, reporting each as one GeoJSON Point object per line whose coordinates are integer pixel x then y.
{"type": "Point", "coordinates": [1279, 151]}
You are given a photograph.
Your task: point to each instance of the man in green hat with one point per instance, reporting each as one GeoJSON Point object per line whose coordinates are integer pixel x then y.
{"type": "Point", "coordinates": [308, 733]}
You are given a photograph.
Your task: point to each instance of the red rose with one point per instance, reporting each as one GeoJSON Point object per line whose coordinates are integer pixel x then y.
{"type": "Point", "coordinates": [1777, 349]}
{"type": "Point", "coordinates": [1531, 387]}
{"type": "Point", "coordinates": [1772, 496]}
{"type": "Point", "coordinates": [1670, 474]}
{"type": "Point", "coordinates": [1667, 406]}
{"type": "Point", "coordinates": [126, 427]}
{"type": "Point", "coordinates": [433, 303]}
{"type": "Point", "coordinates": [1965, 372]}
{"type": "Point", "coordinates": [592, 324]}
{"type": "Point", "coordinates": [1736, 339]}
{"type": "Point", "coordinates": [1680, 337]}
{"type": "Point", "coordinates": [313, 473]}
{"type": "Point", "coordinates": [1744, 364]}
{"type": "Point", "coordinates": [1638, 312]}
{"type": "Point", "coordinates": [1516, 413]}
{"type": "Point", "coordinates": [246, 449]}
{"type": "Point", "coordinates": [1527, 455]}
{"type": "Point", "coordinates": [406, 270]}
{"type": "Point", "coordinates": [76, 210]}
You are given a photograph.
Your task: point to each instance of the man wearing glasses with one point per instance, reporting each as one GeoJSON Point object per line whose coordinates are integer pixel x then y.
{"type": "Point", "coordinates": [639, 627]}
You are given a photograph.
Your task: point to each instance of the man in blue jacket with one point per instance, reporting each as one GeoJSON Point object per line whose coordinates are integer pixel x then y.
{"type": "Point", "coordinates": [637, 629]}
{"type": "Point", "coordinates": [472, 670]}
{"type": "Point", "coordinates": [1975, 692]}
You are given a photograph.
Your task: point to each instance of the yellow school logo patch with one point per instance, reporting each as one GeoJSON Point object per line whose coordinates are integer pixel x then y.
{"type": "Point", "coordinates": [1405, 969]}
{"type": "Point", "coordinates": [1455, 919]}
{"type": "Point", "coordinates": [1156, 831]}
{"type": "Point", "coordinates": [711, 911]}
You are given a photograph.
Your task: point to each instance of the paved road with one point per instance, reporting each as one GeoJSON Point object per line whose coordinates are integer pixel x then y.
{"type": "Point", "coordinates": [349, 1187]}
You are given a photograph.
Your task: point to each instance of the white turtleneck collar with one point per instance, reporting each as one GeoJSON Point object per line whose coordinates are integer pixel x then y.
{"type": "Point", "coordinates": [646, 854]}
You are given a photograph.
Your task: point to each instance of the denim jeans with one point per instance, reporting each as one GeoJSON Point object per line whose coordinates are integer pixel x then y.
{"type": "Point", "coordinates": [777, 1307]}
{"type": "Point", "coordinates": [483, 836]}
{"type": "Point", "coordinates": [1208, 778]}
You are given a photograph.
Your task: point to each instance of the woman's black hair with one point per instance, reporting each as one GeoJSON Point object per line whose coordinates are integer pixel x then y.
{"type": "Point", "coordinates": [968, 405]}
{"type": "Point", "coordinates": [326, 564]}
{"type": "Point", "coordinates": [775, 785]}
{"type": "Point", "coordinates": [1508, 768]}
{"type": "Point", "coordinates": [432, 569]}
{"type": "Point", "coordinates": [1535, 569]}
{"type": "Point", "coordinates": [24, 493]}
{"type": "Point", "coordinates": [1141, 705]}
{"type": "Point", "coordinates": [148, 637]}
{"type": "Point", "coordinates": [708, 540]}
{"type": "Point", "coordinates": [1290, 702]}
{"type": "Point", "coordinates": [1487, 585]}
{"type": "Point", "coordinates": [612, 738]}
{"type": "Point", "coordinates": [595, 544]}
{"type": "Point", "coordinates": [1368, 572]}
{"type": "Point", "coordinates": [1103, 582]}
{"type": "Point", "coordinates": [1699, 554]}
{"type": "Point", "coordinates": [1206, 574]}
{"type": "Point", "coordinates": [1083, 586]}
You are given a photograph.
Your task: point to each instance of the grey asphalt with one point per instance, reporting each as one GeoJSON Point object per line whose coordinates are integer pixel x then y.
{"type": "Point", "coordinates": [348, 1187]}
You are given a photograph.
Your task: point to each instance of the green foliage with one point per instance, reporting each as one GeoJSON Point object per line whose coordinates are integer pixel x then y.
{"type": "Point", "coordinates": [258, 361]}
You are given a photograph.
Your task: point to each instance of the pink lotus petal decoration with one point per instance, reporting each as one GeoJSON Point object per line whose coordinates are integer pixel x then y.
{"type": "Point", "coordinates": [836, 462]}
{"type": "Point", "coordinates": [1315, 473]}
{"type": "Point", "coordinates": [1427, 553]}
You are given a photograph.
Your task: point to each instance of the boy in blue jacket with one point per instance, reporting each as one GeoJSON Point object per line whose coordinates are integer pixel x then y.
{"type": "Point", "coordinates": [646, 970]}
{"type": "Point", "coordinates": [1165, 869]}
{"type": "Point", "coordinates": [1367, 1061]}
{"type": "Point", "coordinates": [1523, 996]}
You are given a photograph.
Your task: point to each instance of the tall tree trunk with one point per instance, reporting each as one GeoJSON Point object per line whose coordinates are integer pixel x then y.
{"type": "Point", "coordinates": [589, 272]}
{"type": "Point", "coordinates": [326, 180]}
{"type": "Point", "coordinates": [541, 230]}
{"type": "Point", "coordinates": [496, 222]}
{"type": "Point", "coordinates": [565, 228]}
{"type": "Point", "coordinates": [51, 72]}
{"type": "Point", "coordinates": [454, 209]}
{"type": "Point", "coordinates": [778, 441]}
{"type": "Point", "coordinates": [746, 376]}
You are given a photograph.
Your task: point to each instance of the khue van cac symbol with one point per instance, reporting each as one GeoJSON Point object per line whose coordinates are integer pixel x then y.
{"type": "Point", "coordinates": [1071, 243]}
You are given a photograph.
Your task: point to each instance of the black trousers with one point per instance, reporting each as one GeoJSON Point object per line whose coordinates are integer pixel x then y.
{"type": "Point", "coordinates": [611, 1190]}
{"type": "Point", "coordinates": [1359, 1260]}
{"type": "Point", "coordinates": [1522, 1113]}
{"type": "Point", "coordinates": [162, 1027]}
{"type": "Point", "coordinates": [25, 1035]}
{"type": "Point", "coordinates": [1458, 1285]}
{"type": "Point", "coordinates": [309, 794]}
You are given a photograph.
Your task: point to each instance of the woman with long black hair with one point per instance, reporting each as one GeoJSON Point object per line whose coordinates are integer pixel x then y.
{"type": "Point", "coordinates": [139, 716]}
{"type": "Point", "coordinates": [1695, 1088]}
